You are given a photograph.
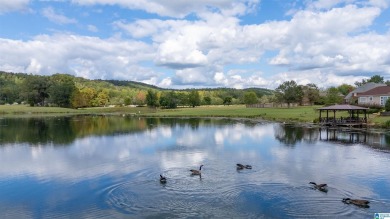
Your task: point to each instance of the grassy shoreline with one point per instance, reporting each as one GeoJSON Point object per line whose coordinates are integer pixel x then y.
{"type": "Point", "coordinates": [25, 111]}
{"type": "Point", "coordinates": [302, 114]}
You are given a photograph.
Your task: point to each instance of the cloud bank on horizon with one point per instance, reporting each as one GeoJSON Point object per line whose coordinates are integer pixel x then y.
{"type": "Point", "coordinates": [197, 44]}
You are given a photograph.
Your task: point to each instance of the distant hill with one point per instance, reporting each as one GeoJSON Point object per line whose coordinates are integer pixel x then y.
{"type": "Point", "coordinates": [132, 84]}
{"type": "Point", "coordinates": [52, 91]}
{"type": "Point", "coordinates": [143, 86]}
{"type": "Point", "coordinates": [140, 85]}
{"type": "Point", "coordinates": [260, 91]}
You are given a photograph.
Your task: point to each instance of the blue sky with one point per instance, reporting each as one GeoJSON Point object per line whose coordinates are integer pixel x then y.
{"type": "Point", "coordinates": [197, 44]}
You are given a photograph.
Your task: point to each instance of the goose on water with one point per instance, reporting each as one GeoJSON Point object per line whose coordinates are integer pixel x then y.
{"type": "Point", "coordinates": [358, 202]}
{"type": "Point", "coordinates": [163, 179]}
{"type": "Point", "coordinates": [197, 172]}
{"type": "Point", "coordinates": [241, 166]}
{"type": "Point", "coordinates": [321, 187]}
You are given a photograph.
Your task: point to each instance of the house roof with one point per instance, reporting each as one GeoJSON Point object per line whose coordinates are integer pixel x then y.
{"type": "Point", "coordinates": [343, 107]}
{"type": "Point", "coordinates": [384, 90]}
{"type": "Point", "coordinates": [364, 88]}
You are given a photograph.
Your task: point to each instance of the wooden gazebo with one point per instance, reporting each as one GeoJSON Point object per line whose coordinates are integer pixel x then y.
{"type": "Point", "coordinates": [353, 118]}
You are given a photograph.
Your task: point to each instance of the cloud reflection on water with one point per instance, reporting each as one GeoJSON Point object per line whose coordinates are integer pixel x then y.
{"type": "Point", "coordinates": [280, 156]}
{"type": "Point", "coordinates": [94, 156]}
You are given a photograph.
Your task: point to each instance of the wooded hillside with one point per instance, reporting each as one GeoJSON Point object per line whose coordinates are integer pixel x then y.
{"type": "Point", "coordinates": [68, 91]}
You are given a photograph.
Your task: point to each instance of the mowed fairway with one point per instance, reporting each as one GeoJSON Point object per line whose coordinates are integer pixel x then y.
{"type": "Point", "coordinates": [302, 114]}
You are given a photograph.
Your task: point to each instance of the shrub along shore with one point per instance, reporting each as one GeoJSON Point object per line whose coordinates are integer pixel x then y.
{"type": "Point", "coordinates": [301, 114]}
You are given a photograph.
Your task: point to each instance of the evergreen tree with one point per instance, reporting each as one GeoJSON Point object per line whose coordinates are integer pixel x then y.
{"type": "Point", "coordinates": [194, 98]}
{"type": "Point", "coordinates": [387, 105]}
{"type": "Point", "coordinates": [250, 98]}
{"type": "Point", "coordinates": [35, 90]}
{"type": "Point", "coordinates": [373, 79]}
{"type": "Point", "coordinates": [151, 98]}
{"type": "Point", "coordinates": [168, 100]}
{"type": "Point", "coordinates": [289, 92]}
{"type": "Point", "coordinates": [207, 100]}
{"type": "Point", "coordinates": [62, 89]}
{"type": "Point", "coordinates": [333, 96]}
{"type": "Point", "coordinates": [313, 93]}
{"type": "Point", "coordinates": [227, 100]}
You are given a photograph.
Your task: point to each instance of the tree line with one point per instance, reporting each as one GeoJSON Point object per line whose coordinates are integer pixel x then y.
{"type": "Point", "coordinates": [65, 90]}
{"type": "Point", "coordinates": [290, 92]}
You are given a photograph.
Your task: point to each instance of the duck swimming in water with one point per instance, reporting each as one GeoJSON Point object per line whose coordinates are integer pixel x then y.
{"type": "Point", "coordinates": [163, 179]}
{"type": "Point", "coordinates": [358, 202]}
{"type": "Point", "coordinates": [241, 166]}
{"type": "Point", "coordinates": [322, 187]}
{"type": "Point", "coordinates": [197, 172]}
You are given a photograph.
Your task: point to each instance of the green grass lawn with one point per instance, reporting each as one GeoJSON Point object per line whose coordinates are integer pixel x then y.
{"type": "Point", "coordinates": [293, 114]}
{"type": "Point", "coordinates": [25, 110]}
{"type": "Point", "coordinates": [380, 120]}
{"type": "Point", "coordinates": [302, 114]}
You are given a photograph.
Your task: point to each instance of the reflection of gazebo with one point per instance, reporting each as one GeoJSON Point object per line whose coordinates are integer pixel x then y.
{"type": "Point", "coordinates": [352, 119]}
{"type": "Point", "coordinates": [345, 136]}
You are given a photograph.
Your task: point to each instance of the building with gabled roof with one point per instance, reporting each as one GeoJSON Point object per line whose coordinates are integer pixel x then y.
{"type": "Point", "coordinates": [352, 96]}
{"type": "Point", "coordinates": [376, 96]}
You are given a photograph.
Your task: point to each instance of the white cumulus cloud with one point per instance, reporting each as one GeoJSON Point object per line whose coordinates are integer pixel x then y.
{"type": "Point", "coordinates": [323, 42]}
{"type": "Point", "coordinates": [13, 5]}
{"type": "Point", "coordinates": [179, 8]}
{"type": "Point", "coordinates": [331, 41]}
{"type": "Point", "coordinates": [82, 56]}
{"type": "Point", "coordinates": [92, 28]}
{"type": "Point", "coordinates": [56, 17]}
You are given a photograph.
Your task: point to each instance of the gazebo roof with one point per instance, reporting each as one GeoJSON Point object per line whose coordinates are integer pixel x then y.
{"type": "Point", "coordinates": [343, 107]}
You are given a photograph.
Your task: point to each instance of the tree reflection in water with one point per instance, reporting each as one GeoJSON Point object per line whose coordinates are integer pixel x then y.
{"type": "Point", "coordinates": [374, 139]}
{"type": "Point", "coordinates": [65, 130]}
{"type": "Point", "coordinates": [290, 134]}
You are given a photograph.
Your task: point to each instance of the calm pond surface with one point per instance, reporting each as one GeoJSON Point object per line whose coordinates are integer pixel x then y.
{"type": "Point", "coordinates": [109, 166]}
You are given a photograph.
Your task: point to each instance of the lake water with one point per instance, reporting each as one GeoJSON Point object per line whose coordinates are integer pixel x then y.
{"type": "Point", "coordinates": [109, 166]}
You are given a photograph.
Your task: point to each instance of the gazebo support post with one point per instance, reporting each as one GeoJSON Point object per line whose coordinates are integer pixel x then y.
{"type": "Point", "coordinates": [361, 124]}
{"type": "Point", "coordinates": [327, 115]}
{"type": "Point", "coordinates": [320, 117]}
{"type": "Point", "coordinates": [365, 116]}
